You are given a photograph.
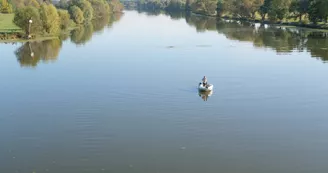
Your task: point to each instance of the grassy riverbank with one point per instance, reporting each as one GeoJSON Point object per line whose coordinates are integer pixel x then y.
{"type": "Point", "coordinates": [9, 32]}
{"type": "Point", "coordinates": [6, 23]}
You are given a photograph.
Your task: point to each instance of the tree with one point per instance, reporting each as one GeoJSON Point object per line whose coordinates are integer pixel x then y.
{"type": "Point", "coordinates": [245, 8]}
{"type": "Point", "coordinates": [100, 23]}
{"type": "Point", "coordinates": [264, 9]}
{"type": "Point", "coordinates": [64, 19]}
{"type": "Point", "coordinates": [279, 9]}
{"type": "Point", "coordinates": [5, 7]}
{"type": "Point", "coordinates": [76, 14]}
{"type": "Point", "coordinates": [50, 19]}
{"type": "Point", "coordinates": [188, 4]}
{"type": "Point", "coordinates": [299, 8]}
{"type": "Point", "coordinates": [86, 7]}
{"type": "Point", "coordinates": [82, 34]}
{"type": "Point", "coordinates": [22, 17]}
{"type": "Point", "coordinates": [318, 10]}
{"type": "Point", "coordinates": [63, 4]}
{"type": "Point", "coordinates": [207, 7]}
{"type": "Point", "coordinates": [24, 3]}
{"type": "Point", "coordinates": [253, 6]}
{"type": "Point", "coordinates": [220, 8]}
{"type": "Point", "coordinates": [176, 5]}
{"type": "Point", "coordinates": [101, 8]}
{"type": "Point", "coordinates": [117, 6]}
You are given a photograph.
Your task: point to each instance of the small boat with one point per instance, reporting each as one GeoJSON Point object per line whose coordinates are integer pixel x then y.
{"type": "Point", "coordinates": [208, 87]}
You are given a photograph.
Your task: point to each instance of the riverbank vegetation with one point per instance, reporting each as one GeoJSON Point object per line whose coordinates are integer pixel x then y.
{"type": "Point", "coordinates": [35, 18]}
{"type": "Point", "coordinates": [308, 13]}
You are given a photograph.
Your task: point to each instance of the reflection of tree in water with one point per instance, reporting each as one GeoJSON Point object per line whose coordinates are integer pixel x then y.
{"type": "Point", "coordinates": [114, 18]}
{"type": "Point", "coordinates": [233, 30]}
{"type": "Point", "coordinates": [82, 34]}
{"type": "Point", "coordinates": [31, 53]}
{"type": "Point", "coordinates": [201, 23]}
{"type": "Point", "coordinates": [281, 40]}
{"type": "Point", "coordinates": [318, 47]}
{"type": "Point", "coordinates": [176, 15]}
{"type": "Point", "coordinates": [100, 23]}
{"type": "Point", "coordinates": [64, 36]}
{"type": "Point", "coordinates": [117, 16]}
{"type": "Point", "coordinates": [151, 12]}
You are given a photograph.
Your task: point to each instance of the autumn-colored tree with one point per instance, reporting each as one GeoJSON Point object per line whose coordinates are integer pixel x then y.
{"type": "Point", "coordinates": [5, 7]}
{"type": "Point", "coordinates": [49, 18]}
{"type": "Point", "coordinates": [207, 7]}
{"type": "Point", "coordinates": [117, 6]}
{"type": "Point", "coordinates": [24, 3]}
{"type": "Point", "coordinates": [101, 8]}
{"type": "Point", "coordinates": [86, 8]}
{"type": "Point", "coordinates": [64, 18]}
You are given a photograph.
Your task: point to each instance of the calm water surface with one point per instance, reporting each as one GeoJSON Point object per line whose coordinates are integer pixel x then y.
{"type": "Point", "coordinates": [122, 97]}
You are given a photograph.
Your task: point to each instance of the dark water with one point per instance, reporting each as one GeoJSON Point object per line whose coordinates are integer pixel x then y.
{"type": "Point", "coordinates": [120, 95]}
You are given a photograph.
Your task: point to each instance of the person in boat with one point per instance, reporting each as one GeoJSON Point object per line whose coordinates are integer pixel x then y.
{"type": "Point", "coordinates": [204, 81]}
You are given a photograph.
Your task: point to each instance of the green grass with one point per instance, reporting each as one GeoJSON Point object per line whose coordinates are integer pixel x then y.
{"type": "Point", "coordinates": [6, 23]}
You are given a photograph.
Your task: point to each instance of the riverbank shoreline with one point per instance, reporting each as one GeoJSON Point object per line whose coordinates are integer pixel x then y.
{"type": "Point", "coordinates": [322, 27]}
{"type": "Point", "coordinates": [29, 40]}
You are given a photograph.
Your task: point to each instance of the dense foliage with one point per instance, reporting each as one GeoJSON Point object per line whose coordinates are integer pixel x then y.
{"type": "Point", "coordinates": [64, 18]}
{"type": "Point", "coordinates": [85, 7]}
{"type": "Point", "coordinates": [5, 7]}
{"type": "Point", "coordinates": [76, 14]}
{"type": "Point", "coordinates": [23, 15]}
{"type": "Point", "coordinates": [51, 20]}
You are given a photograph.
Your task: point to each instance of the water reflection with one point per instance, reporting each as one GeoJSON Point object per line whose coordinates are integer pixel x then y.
{"type": "Point", "coordinates": [280, 39]}
{"type": "Point", "coordinates": [31, 53]}
{"type": "Point", "coordinates": [201, 23]}
{"type": "Point", "coordinates": [205, 94]}
{"type": "Point", "coordinates": [99, 24]}
{"type": "Point", "coordinates": [82, 34]}
{"type": "Point", "coordinates": [176, 15]}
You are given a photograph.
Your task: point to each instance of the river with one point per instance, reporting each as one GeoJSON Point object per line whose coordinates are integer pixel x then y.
{"type": "Point", "coordinates": [121, 96]}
